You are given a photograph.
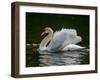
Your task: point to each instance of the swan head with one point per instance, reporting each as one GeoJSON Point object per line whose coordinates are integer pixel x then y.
{"type": "Point", "coordinates": [47, 30]}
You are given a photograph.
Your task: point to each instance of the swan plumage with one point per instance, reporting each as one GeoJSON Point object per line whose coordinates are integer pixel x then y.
{"type": "Point", "coordinates": [73, 47]}
{"type": "Point", "coordinates": [64, 39]}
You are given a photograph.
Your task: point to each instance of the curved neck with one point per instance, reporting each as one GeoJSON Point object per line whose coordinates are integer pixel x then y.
{"type": "Point", "coordinates": [46, 40]}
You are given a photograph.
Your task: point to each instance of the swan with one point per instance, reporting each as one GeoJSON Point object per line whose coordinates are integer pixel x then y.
{"type": "Point", "coordinates": [62, 40]}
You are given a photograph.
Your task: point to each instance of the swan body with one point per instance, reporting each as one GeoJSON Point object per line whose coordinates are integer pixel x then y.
{"type": "Point", "coordinates": [65, 39]}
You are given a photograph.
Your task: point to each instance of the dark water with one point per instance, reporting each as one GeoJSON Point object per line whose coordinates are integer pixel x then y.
{"type": "Point", "coordinates": [43, 58]}
{"type": "Point", "coordinates": [36, 22]}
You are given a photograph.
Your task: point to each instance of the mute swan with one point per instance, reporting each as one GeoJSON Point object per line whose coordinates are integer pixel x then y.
{"type": "Point", "coordinates": [63, 40]}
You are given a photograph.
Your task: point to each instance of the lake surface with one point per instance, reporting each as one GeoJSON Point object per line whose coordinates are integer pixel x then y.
{"type": "Point", "coordinates": [36, 58]}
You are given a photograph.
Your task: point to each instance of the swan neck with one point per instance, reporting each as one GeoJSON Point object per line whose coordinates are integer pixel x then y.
{"type": "Point", "coordinates": [46, 40]}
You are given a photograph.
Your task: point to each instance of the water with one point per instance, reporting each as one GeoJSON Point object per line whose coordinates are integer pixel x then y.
{"type": "Point", "coordinates": [44, 58]}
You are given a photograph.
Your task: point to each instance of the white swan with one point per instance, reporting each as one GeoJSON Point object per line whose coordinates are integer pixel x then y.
{"type": "Point", "coordinates": [63, 40]}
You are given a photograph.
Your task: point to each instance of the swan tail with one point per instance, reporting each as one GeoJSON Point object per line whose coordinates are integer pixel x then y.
{"type": "Point", "coordinates": [73, 47]}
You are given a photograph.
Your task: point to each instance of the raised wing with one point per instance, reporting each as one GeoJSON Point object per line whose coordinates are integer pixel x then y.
{"type": "Point", "coordinates": [63, 38]}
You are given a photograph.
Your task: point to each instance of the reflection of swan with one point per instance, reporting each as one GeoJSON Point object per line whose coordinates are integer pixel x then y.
{"type": "Point", "coordinates": [63, 40]}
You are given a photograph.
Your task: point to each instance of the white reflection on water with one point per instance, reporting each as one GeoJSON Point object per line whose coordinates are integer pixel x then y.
{"type": "Point", "coordinates": [61, 58]}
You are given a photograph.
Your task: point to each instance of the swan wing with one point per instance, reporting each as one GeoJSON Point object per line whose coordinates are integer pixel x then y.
{"type": "Point", "coordinates": [70, 31]}
{"type": "Point", "coordinates": [63, 38]}
{"type": "Point", "coordinates": [73, 47]}
{"type": "Point", "coordinates": [72, 37]}
{"type": "Point", "coordinates": [58, 38]}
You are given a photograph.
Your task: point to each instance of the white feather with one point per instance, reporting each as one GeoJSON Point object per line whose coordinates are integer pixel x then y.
{"type": "Point", "coordinates": [63, 38]}
{"type": "Point", "coordinates": [72, 47]}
